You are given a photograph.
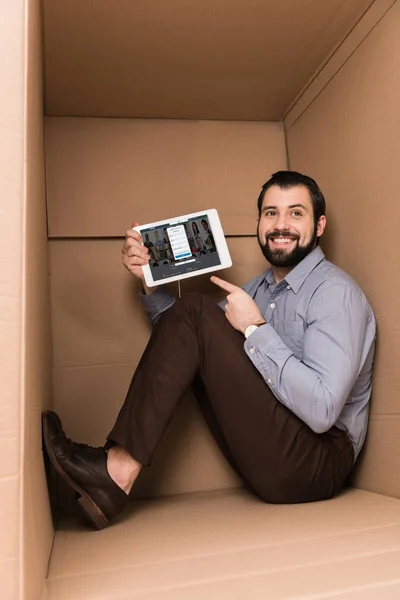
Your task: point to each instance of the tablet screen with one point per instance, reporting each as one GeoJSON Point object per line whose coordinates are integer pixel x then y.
{"type": "Point", "coordinates": [179, 248]}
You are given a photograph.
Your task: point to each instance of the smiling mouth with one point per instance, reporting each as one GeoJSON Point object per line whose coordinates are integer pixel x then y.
{"type": "Point", "coordinates": [282, 241]}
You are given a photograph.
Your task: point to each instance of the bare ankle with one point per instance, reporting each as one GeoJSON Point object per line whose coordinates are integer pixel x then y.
{"type": "Point", "coordinates": [122, 468]}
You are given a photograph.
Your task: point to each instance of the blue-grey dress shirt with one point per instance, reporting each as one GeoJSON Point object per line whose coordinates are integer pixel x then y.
{"type": "Point", "coordinates": [316, 350]}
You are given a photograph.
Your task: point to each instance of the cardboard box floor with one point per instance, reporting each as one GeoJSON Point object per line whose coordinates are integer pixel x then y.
{"type": "Point", "coordinates": [229, 544]}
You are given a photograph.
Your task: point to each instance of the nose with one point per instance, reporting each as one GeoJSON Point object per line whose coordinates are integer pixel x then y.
{"type": "Point", "coordinates": [282, 222]}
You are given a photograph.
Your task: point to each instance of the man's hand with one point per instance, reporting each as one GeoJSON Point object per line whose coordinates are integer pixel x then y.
{"type": "Point", "coordinates": [241, 310]}
{"type": "Point", "coordinates": [134, 254]}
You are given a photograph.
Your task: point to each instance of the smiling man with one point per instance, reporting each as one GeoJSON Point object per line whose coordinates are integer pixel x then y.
{"type": "Point", "coordinates": [282, 373]}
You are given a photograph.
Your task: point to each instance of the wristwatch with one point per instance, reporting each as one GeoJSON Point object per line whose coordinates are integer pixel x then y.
{"type": "Point", "coordinates": [251, 329]}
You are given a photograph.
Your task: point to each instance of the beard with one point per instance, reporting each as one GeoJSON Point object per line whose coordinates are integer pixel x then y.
{"type": "Point", "coordinates": [282, 258]}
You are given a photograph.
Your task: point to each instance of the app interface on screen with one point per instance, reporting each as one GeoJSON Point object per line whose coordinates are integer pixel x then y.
{"type": "Point", "coordinates": [179, 248]}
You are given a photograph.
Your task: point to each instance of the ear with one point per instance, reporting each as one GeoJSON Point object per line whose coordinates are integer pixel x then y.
{"type": "Point", "coordinates": [321, 225]}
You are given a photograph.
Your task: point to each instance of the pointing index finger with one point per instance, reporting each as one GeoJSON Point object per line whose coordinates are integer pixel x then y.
{"type": "Point", "coordinates": [225, 285]}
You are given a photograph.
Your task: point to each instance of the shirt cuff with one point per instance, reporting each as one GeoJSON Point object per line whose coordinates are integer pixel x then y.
{"type": "Point", "coordinates": [267, 351]}
{"type": "Point", "coordinates": [156, 303]}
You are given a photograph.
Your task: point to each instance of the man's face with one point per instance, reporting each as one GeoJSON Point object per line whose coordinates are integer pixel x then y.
{"type": "Point", "coordinates": [204, 223]}
{"type": "Point", "coordinates": [156, 235]}
{"type": "Point", "coordinates": [286, 228]}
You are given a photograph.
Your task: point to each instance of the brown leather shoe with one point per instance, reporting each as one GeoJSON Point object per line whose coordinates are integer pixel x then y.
{"type": "Point", "coordinates": [84, 468]}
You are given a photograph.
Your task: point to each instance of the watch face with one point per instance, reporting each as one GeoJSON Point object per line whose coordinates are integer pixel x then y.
{"type": "Point", "coordinates": [249, 330]}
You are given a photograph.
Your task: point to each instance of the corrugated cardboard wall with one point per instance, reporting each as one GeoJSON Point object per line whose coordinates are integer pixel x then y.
{"type": "Point", "coordinates": [101, 174]}
{"type": "Point", "coordinates": [37, 392]}
{"type": "Point", "coordinates": [348, 139]}
{"type": "Point", "coordinates": [225, 59]}
{"type": "Point", "coordinates": [12, 47]}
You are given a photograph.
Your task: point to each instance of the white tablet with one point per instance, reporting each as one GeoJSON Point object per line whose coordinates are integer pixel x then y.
{"type": "Point", "coordinates": [184, 247]}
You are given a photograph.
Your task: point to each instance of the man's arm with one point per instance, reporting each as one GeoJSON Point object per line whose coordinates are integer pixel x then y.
{"type": "Point", "coordinates": [316, 388]}
{"type": "Point", "coordinates": [135, 255]}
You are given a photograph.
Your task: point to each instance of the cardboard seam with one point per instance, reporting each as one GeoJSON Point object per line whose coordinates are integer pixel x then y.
{"type": "Point", "coordinates": [324, 63]}
{"type": "Point", "coordinates": [337, 70]}
{"type": "Point", "coordinates": [89, 366]}
{"type": "Point", "coordinates": [286, 145]}
{"type": "Point", "coordinates": [22, 391]}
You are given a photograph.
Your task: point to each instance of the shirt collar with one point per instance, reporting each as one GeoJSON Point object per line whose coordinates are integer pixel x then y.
{"type": "Point", "coordinates": [299, 274]}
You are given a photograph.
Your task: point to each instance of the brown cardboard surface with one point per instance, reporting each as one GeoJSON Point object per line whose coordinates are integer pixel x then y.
{"type": "Point", "coordinates": [293, 583]}
{"type": "Point", "coordinates": [231, 543]}
{"type": "Point", "coordinates": [10, 526]}
{"type": "Point", "coordinates": [348, 140]}
{"type": "Point", "coordinates": [379, 463]}
{"type": "Point", "coordinates": [214, 60]}
{"type": "Point", "coordinates": [104, 173]}
{"type": "Point", "coordinates": [101, 175]}
{"type": "Point", "coordinates": [12, 132]}
{"type": "Point", "coordinates": [97, 317]}
{"type": "Point", "coordinates": [334, 63]}
{"type": "Point", "coordinates": [37, 526]}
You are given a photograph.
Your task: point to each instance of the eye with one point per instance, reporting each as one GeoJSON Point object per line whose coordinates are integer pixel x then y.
{"type": "Point", "coordinates": [270, 213]}
{"type": "Point", "coordinates": [296, 213]}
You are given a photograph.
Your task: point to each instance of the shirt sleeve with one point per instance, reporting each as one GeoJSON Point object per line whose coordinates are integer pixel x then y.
{"type": "Point", "coordinates": [316, 387]}
{"type": "Point", "coordinates": [156, 303]}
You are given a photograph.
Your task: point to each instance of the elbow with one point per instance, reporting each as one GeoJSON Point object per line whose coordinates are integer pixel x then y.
{"type": "Point", "coordinates": [325, 411]}
{"type": "Point", "coordinates": [321, 426]}
{"type": "Point", "coordinates": [323, 421]}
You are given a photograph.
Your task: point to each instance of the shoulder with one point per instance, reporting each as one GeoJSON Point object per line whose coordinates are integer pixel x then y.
{"type": "Point", "coordinates": [333, 287]}
{"type": "Point", "coordinates": [331, 277]}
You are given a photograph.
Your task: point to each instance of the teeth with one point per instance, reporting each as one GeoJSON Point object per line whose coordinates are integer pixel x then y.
{"type": "Point", "coordinates": [282, 240]}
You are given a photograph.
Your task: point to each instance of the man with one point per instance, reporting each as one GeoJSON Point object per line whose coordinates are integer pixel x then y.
{"type": "Point", "coordinates": [208, 237]}
{"type": "Point", "coordinates": [150, 246]}
{"type": "Point", "coordinates": [159, 246]}
{"type": "Point", "coordinates": [282, 375]}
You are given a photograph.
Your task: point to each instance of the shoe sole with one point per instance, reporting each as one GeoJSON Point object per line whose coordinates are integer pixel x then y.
{"type": "Point", "coordinates": [85, 502]}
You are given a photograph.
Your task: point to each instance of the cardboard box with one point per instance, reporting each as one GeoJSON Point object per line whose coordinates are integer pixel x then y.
{"type": "Point", "coordinates": [145, 110]}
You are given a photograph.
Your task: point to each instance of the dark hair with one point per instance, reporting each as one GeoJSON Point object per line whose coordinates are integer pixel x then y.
{"type": "Point", "coordinates": [288, 179]}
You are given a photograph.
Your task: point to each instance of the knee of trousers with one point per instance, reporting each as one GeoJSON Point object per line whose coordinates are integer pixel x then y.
{"type": "Point", "coordinates": [194, 301]}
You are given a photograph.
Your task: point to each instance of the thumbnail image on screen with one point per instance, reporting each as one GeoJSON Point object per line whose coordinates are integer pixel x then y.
{"type": "Point", "coordinates": [179, 248]}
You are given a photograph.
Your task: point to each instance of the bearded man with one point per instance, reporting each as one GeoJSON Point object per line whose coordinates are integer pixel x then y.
{"type": "Point", "coordinates": [281, 369]}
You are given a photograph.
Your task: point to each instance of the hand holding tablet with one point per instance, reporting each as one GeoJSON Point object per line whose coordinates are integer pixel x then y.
{"type": "Point", "coordinates": [183, 247]}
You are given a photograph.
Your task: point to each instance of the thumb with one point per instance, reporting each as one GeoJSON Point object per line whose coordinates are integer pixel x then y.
{"type": "Point", "coordinates": [135, 224]}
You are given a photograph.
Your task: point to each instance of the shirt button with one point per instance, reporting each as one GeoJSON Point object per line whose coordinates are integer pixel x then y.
{"type": "Point", "coordinates": [269, 381]}
{"type": "Point", "coordinates": [273, 305]}
{"type": "Point", "coordinates": [288, 287]}
{"type": "Point", "coordinates": [251, 350]}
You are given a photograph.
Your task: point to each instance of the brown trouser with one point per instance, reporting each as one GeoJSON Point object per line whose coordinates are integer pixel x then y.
{"type": "Point", "coordinates": [277, 455]}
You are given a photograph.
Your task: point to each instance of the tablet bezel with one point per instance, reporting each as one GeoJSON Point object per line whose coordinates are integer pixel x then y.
{"type": "Point", "coordinates": [222, 248]}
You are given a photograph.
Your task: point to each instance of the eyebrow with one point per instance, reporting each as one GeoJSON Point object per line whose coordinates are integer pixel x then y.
{"type": "Point", "coordinates": [291, 206]}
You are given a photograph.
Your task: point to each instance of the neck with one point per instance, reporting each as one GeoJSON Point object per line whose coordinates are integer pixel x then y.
{"type": "Point", "coordinates": [280, 272]}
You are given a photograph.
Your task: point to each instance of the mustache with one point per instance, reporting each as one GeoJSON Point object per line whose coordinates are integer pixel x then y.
{"type": "Point", "coordinates": [282, 233]}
